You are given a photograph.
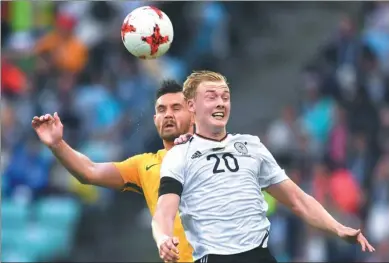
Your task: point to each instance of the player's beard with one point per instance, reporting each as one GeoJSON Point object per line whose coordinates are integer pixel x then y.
{"type": "Point", "coordinates": [170, 136]}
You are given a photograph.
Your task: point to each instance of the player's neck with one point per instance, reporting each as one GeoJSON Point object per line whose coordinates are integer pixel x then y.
{"type": "Point", "coordinates": [168, 145]}
{"type": "Point", "coordinates": [214, 135]}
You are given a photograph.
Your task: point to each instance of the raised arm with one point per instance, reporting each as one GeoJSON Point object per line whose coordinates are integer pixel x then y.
{"type": "Point", "coordinates": [50, 131]}
{"type": "Point", "coordinates": [274, 180]}
{"type": "Point", "coordinates": [313, 213]}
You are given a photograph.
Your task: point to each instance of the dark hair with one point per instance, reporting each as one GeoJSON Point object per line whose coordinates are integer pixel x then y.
{"type": "Point", "coordinates": [168, 86]}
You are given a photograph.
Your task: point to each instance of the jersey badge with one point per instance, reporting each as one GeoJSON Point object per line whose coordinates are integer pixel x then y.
{"type": "Point", "coordinates": [241, 147]}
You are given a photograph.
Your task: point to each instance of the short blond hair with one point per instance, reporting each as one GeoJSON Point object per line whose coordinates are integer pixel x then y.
{"type": "Point", "coordinates": [193, 81]}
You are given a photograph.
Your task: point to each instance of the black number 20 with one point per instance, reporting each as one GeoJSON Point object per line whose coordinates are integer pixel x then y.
{"type": "Point", "coordinates": [225, 157]}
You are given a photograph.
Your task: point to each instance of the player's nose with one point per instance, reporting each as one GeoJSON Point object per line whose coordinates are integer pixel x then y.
{"type": "Point", "coordinates": [169, 113]}
{"type": "Point", "coordinates": [220, 105]}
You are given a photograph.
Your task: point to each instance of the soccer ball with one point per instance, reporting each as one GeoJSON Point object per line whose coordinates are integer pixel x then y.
{"type": "Point", "coordinates": [147, 32]}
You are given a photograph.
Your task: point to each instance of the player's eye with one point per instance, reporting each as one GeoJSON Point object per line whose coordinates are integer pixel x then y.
{"type": "Point", "coordinates": [161, 109]}
{"type": "Point", "coordinates": [177, 108]}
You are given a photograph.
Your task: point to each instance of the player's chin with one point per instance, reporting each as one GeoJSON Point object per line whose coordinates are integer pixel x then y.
{"type": "Point", "coordinates": [169, 136]}
{"type": "Point", "coordinates": [219, 122]}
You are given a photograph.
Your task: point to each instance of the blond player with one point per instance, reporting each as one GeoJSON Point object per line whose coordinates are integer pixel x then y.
{"type": "Point", "coordinates": [215, 181]}
{"type": "Point", "coordinates": [139, 173]}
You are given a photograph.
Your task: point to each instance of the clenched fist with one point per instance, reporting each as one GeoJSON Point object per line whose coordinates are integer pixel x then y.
{"type": "Point", "coordinates": [49, 129]}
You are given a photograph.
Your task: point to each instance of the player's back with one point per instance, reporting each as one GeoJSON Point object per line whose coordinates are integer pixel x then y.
{"type": "Point", "coordinates": [222, 207]}
{"type": "Point", "coordinates": [141, 174]}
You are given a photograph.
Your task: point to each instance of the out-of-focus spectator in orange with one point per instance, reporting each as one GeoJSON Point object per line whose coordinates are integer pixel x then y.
{"type": "Point", "coordinates": [65, 52]}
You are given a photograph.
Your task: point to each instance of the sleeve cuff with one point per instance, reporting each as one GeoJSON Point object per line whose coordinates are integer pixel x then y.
{"type": "Point", "coordinates": [276, 178]}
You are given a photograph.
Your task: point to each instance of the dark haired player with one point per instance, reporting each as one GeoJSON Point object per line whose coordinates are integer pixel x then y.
{"type": "Point", "coordinates": [139, 173]}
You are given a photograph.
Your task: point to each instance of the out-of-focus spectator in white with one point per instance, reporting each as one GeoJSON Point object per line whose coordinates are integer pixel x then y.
{"type": "Point", "coordinates": [282, 133]}
{"type": "Point", "coordinates": [377, 226]}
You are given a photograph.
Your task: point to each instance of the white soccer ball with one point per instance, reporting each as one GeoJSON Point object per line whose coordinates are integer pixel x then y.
{"type": "Point", "coordinates": [147, 32]}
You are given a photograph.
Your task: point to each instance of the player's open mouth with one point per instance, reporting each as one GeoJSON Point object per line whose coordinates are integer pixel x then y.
{"type": "Point", "coordinates": [218, 115]}
{"type": "Point", "coordinates": [168, 125]}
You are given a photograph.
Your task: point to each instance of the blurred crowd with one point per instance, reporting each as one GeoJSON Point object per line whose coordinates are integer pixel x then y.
{"type": "Point", "coordinates": [67, 57]}
{"type": "Point", "coordinates": [335, 142]}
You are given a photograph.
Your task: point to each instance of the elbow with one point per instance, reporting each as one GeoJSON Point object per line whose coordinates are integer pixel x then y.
{"type": "Point", "coordinates": [84, 180]}
{"type": "Point", "coordinates": [87, 178]}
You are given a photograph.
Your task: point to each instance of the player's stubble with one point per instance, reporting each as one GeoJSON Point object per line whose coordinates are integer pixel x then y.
{"type": "Point", "coordinates": [171, 129]}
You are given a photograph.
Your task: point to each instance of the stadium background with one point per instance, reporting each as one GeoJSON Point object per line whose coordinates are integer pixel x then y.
{"type": "Point", "coordinates": [311, 79]}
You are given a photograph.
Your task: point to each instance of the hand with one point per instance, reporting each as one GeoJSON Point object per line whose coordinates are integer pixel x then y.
{"type": "Point", "coordinates": [49, 129]}
{"type": "Point", "coordinates": [168, 250]}
{"type": "Point", "coordinates": [355, 236]}
{"type": "Point", "coordinates": [182, 139]}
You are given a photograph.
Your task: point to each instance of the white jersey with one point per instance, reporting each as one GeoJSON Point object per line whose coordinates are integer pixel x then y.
{"type": "Point", "coordinates": [222, 208]}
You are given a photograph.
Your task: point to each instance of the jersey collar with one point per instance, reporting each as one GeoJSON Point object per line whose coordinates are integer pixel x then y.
{"type": "Point", "coordinates": [210, 139]}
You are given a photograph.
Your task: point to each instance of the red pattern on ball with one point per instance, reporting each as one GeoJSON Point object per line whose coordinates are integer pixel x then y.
{"type": "Point", "coordinates": [155, 40]}
{"type": "Point", "coordinates": [126, 28]}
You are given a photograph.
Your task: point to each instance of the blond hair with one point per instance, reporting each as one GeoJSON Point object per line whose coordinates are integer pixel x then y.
{"type": "Point", "coordinates": [193, 81]}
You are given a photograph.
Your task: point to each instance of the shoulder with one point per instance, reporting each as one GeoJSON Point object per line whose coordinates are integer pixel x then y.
{"type": "Point", "coordinates": [178, 151]}
{"type": "Point", "coordinates": [145, 157]}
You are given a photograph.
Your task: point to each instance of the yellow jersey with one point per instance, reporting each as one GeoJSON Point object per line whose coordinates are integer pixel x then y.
{"type": "Point", "coordinates": [141, 174]}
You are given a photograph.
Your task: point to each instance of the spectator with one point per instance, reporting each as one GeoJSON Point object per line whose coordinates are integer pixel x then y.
{"type": "Point", "coordinates": [28, 167]}
{"type": "Point", "coordinates": [379, 211]}
{"type": "Point", "coordinates": [344, 48]}
{"type": "Point", "coordinates": [373, 78]}
{"type": "Point", "coordinates": [59, 44]}
{"type": "Point", "coordinates": [282, 133]}
{"type": "Point", "coordinates": [317, 111]}
{"type": "Point", "coordinates": [376, 33]}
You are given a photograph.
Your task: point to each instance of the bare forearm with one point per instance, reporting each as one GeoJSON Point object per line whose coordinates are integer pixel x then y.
{"type": "Point", "coordinates": [312, 212]}
{"type": "Point", "coordinates": [80, 166]}
{"type": "Point", "coordinates": [162, 226]}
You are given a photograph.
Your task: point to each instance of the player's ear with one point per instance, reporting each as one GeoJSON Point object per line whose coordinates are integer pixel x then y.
{"type": "Point", "coordinates": [155, 117]}
{"type": "Point", "coordinates": [191, 105]}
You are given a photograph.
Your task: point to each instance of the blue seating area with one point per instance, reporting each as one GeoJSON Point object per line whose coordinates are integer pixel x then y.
{"type": "Point", "coordinates": [40, 231]}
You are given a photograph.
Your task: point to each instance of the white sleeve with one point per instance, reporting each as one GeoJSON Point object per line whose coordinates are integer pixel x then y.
{"type": "Point", "coordinates": [173, 164]}
{"type": "Point", "coordinates": [269, 171]}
